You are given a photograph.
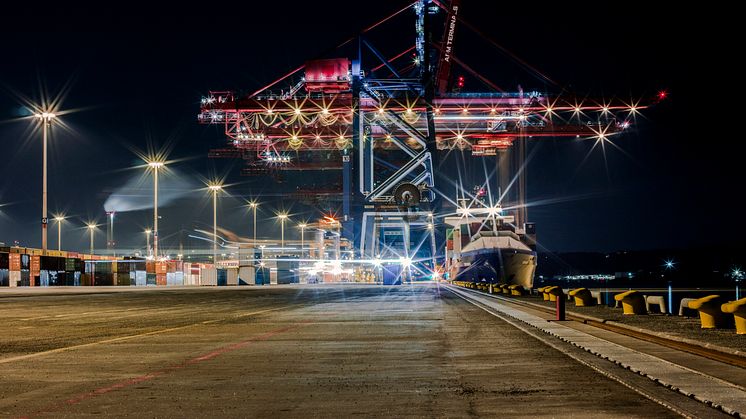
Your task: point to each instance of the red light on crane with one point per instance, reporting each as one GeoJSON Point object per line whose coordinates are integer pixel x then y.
{"type": "Point", "coordinates": [662, 94]}
{"type": "Point", "coordinates": [460, 82]}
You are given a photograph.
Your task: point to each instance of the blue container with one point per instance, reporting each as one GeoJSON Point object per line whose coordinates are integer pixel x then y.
{"type": "Point", "coordinates": [287, 271]}
{"type": "Point", "coordinates": [392, 274]}
{"type": "Point", "coordinates": [222, 277]}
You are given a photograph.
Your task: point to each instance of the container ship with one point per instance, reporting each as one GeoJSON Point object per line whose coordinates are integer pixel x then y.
{"type": "Point", "coordinates": [484, 245]}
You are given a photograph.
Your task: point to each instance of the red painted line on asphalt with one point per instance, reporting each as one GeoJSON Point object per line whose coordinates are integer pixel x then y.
{"type": "Point", "coordinates": [152, 375]}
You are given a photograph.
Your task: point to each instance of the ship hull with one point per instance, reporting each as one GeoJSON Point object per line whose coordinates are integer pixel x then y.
{"type": "Point", "coordinates": [499, 266]}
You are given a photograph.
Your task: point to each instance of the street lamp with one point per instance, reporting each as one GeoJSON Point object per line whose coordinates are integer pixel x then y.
{"type": "Point", "coordinates": [155, 165]}
{"type": "Point", "coordinates": [92, 229]}
{"type": "Point", "coordinates": [59, 220]}
{"type": "Point", "coordinates": [282, 216]}
{"type": "Point", "coordinates": [46, 120]}
{"type": "Point", "coordinates": [147, 239]}
{"type": "Point", "coordinates": [215, 188]}
{"type": "Point", "coordinates": [302, 238]}
{"type": "Point", "coordinates": [737, 275]}
{"type": "Point", "coordinates": [110, 241]}
{"type": "Point", "coordinates": [254, 206]}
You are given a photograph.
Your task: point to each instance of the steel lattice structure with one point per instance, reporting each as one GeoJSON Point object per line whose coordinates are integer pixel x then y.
{"type": "Point", "coordinates": [388, 119]}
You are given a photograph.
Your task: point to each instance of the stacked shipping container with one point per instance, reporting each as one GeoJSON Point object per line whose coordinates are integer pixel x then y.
{"type": "Point", "coordinates": [21, 266]}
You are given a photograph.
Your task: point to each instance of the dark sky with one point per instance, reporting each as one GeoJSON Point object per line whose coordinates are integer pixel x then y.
{"type": "Point", "coordinates": [137, 77]}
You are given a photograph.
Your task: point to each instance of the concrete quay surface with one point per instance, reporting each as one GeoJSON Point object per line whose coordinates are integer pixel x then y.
{"type": "Point", "coordinates": [295, 351]}
{"type": "Point", "coordinates": [714, 383]}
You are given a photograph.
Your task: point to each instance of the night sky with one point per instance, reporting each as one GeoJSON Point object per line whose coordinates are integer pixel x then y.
{"type": "Point", "coordinates": [136, 78]}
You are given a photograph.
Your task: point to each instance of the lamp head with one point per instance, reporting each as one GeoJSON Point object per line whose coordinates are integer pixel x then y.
{"type": "Point", "coordinates": [47, 116]}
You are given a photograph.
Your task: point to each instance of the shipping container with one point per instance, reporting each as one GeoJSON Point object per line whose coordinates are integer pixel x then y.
{"type": "Point", "coordinates": [35, 268]}
{"type": "Point", "coordinates": [14, 262]}
{"type": "Point", "coordinates": [208, 275]}
{"type": "Point", "coordinates": [141, 278]}
{"type": "Point", "coordinates": [14, 277]}
{"type": "Point", "coordinates": [232, 276]}
{"type": "Point", "coordinates": [160, 279]}
{"type": "Point", "coordinates": [287, 271]}
{"type": "Point", "coordinates": [262, 276]}
{"type": "Point", "coordinates": [392, 274]}
{"type": "Point", "coordinates": [123, 278]}
{"type": "Point", "coordinates": [85, 279]}
{"type": "Point", "coordinates": [246, 275]}
{"type": "Point", "coordinates": [222, 277]}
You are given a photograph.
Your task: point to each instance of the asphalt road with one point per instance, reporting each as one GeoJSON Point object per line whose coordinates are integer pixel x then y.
{"type": "Point", "coordinates": [324, 351]}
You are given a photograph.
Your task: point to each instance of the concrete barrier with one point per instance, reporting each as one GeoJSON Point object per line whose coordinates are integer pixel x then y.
{"type": "Point", "coordinates": [710, 315]}
{"type": "Point", "coordinates": [632, 302]}
{"type": "Point", "coordinates": [684, 309]}
{"type": "Point", "coordinates": [597, 296]}
{"type": "Point", "coordinates": [738, 309]}
{"type": "Point", "coordinates": [655, 304]}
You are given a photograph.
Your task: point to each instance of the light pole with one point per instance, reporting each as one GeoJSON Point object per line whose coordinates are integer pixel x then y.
{"type": "Point", "coordinates": [155, 165]}
{"type": "Point", "coordinates": [215, 188]}
{"type": "Point", "coordinates": [92, 229]}
{"type": "Point", "coordinates": [282, 216]}
{"type": "Point", "coordinates": [254, 206]}
{"type": "Point", "coordinates": [46, 120]}
{"type": "Point", "coordinates": [110, 241]}
{"type": "Point", "coordinates": [302, 238]}
{"type": "Point", "coordinates": [147, 239]}
{"type": "Point", "coordinates": [737, 275]}
{"type": "Point", "coordinates": [668, 265]}
{"type": "Point", "coordinates": [59, 220]}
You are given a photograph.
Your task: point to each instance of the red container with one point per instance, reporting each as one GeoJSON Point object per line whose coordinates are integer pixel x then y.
{"type": "Point", "coordinates": [161, 267]}
{"type": "Point", "coordinates": [15, 262]}
{"type": "Point", "coordinates": [160, 279]}
{"type": "Point", "coordinates": [35, 265]}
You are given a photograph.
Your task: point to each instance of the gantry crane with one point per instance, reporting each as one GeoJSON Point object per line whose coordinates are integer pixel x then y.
{"type": "Point", "coordinates": [388, 119]}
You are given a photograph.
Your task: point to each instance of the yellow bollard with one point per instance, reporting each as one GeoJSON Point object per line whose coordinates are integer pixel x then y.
{"type": "Point", "coordinates": [516, 290]}
{"type": "Point", "coordinates": [632, 302]}
{"type": "Point", "coordinates": [582, 297]}
{"type": "Point", "coordinates": [554, 292]}
{"type": "Point", "coordinates": [710, 314]}
{"type": "Point", "coordinates": [738, 309]}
